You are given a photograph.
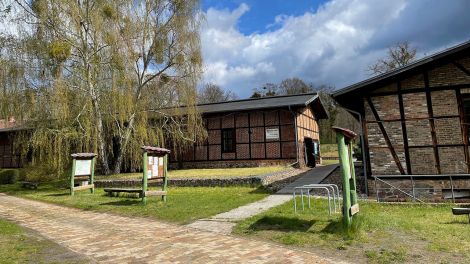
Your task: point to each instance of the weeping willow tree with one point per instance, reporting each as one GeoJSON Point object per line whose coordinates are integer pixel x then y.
{"type": "Point", "coordinates": [97, 74]}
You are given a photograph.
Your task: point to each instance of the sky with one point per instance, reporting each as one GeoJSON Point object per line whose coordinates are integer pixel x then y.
{"type": "Point", "coordinates": [248, 43]}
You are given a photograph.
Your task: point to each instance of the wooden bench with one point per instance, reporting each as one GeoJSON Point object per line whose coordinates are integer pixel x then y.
{"type": "Point", "coordinates": [111, 191]}
{"type": "Point", "coordinates": [29, 185]}
{"type": "Point", "coordinates": [461, 211]}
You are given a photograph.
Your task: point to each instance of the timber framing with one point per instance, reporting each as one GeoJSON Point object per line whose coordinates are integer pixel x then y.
{"type": "Point", "coordinates": [431, 122]}
{"type": "Point", "coordinates": [463, 128]}
{"type": "Point", "coordinates": [403, 129]}
{"type": "Point", "coordinates": [424, 110]}
{"type": "Point", "coordinates": [281, 117]}
{"type": "Point", "coordinates": [386, 137]}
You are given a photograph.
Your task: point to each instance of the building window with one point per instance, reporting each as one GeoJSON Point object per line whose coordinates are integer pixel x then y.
{"type": "Point", "coordinates": [228, 140]}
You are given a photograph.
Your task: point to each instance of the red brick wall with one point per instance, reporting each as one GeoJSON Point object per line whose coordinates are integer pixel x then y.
{"type": "Point", "coordinates": [449, 144]}
{"type": "Point", "coordinates": [251, 144]}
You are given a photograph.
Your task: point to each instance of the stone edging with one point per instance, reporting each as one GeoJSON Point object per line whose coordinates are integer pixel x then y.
{"type": "Point", "coordinates": [264, 180]}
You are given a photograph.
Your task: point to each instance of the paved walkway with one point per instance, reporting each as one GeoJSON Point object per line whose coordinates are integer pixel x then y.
{"type": "Point", "coordinates": [116, 239]}
{"type": "Point", "coordinates": [224, 222]}
{"type": "Point", "coordinates": [313, 176]}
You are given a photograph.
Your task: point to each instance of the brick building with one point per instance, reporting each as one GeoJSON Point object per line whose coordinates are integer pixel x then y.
{"type": "Point", "coordinates": [8, 158]}
{"type": "Point", "coordinates": [257, 132]}
{"type": "Point", "coordinates": [415, 124]}
{"type": "Point", "coordinates": [251, 132]}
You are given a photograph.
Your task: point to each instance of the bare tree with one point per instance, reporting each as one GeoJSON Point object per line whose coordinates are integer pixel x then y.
{"type": "Point", "coordinates": [98, 73]}
{"type": "Point", "coordinates": [398, 55]}
{"type": "Point", "coordinates": [267, 89]}
{"type": "Point", "coordinates": [294, 86]}
{"type": "Point", "coordinates": [212, 93]}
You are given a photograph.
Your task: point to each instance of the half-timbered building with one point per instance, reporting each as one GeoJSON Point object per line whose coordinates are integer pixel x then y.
{"type": "Point", "coordinates": [415, 122]}
{"type": "Point", "coordinates": [257, 132]}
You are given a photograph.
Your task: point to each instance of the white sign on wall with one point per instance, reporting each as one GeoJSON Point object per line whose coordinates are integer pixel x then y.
{"type": "Point", "coordinates": [272, 133]}
{"type": "Point", "coordinates": [82, 167]}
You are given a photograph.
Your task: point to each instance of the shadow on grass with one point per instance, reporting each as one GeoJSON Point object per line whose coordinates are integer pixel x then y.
{"type": "Point", "coordinates": [285, 224]}
{"type": "Point", "coordinates": [57, 194]}
{"type": "Point", "coordinates": [334, 227]}
{"type": "Point", "coordinates": [260, 189]}
{"type": "Point", "coordinates": [337, 227]}
{"type": "Point", "coordinates": [458, 222]}
{"type": "Point", "coordinates": [123, 203]}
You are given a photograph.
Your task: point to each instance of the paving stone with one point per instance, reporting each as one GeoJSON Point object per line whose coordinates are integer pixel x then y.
{"type": "Point", "coordinates": [111, 238]}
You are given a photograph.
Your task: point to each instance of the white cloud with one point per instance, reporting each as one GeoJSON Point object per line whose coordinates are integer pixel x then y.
{"type": "Point", "coordinates": [333, 46]}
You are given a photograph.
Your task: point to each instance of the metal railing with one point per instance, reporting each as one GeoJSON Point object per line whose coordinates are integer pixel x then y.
{"type": "Point", "coordinates": [333, 195]}
{"type": "Point", "coordinates": [413, 178]}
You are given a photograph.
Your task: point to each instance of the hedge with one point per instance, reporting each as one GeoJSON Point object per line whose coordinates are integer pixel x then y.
{"type": "Point", "coordinates": [9, 176]}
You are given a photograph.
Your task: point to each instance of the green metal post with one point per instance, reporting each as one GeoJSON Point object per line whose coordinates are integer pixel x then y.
{"type": "Point", "coordinates": [92, 174]}
{"type": "Point", "coordinates": [72, 174]}
{"type": "Point", "coordinates": [352, 180]}
{"type": "Point", "coordinates": [165, 175]}
{"type": "Point", "coordinates": [144, 180]}
{"type": "Point", "coordinates": [345, 173]}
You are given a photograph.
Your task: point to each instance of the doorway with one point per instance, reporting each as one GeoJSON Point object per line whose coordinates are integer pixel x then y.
{"type": "Point", "coordinates": [309, 152]}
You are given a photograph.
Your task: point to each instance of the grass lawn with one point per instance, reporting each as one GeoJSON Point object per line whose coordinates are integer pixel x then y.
{"type": "Point", "coordinates": [184, 204]}
{"type": "Point", "coordinates": [205, 173]}
{"type": "Point", "coordinates": [384, 233]}
{"type": "Point", "coordinates": [329, 150]}
{"type": "Point", "coordinates": [329, 162]}
{"type": "Point", "coordinates": [18, 245]}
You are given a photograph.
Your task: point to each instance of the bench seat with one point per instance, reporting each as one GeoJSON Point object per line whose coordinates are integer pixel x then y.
{"type": "Point", "coordinates": [461, 211]}
{"type": "Point", "coordinates": [110, 191]}
{"type": "Point", "coordinates": [30, 185]}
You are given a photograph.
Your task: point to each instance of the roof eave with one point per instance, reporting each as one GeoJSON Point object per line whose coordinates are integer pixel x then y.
{"type": "Point", "coordinates": [417, 64]}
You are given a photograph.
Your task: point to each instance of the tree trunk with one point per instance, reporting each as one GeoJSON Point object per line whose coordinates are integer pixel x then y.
{"type": "Point", "coordinates": [102, 154]}
{"type": "Point", "coordinates": [124, 141]}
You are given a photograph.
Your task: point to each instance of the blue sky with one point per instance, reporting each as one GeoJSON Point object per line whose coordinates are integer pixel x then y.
{"type": "Point", "coordinates": [247, 43]}
{"type": "Point", "coordinates": [262, 13]}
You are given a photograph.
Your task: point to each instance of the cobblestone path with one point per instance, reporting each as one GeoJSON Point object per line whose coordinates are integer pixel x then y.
{"type": "Point", "coordinates": [110, 238]}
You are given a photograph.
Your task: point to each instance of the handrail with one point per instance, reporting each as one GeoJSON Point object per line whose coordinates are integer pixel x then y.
{"type": "Point", "coordinates": [410, 195]}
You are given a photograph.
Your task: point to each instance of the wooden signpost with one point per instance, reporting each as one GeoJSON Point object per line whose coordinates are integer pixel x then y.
{"type": "Point", "coordinates": [155, 166]}
{"type": "Point", "coordinates": [83, 171]}
{"type": "Point", "coordinates": [345, 139]}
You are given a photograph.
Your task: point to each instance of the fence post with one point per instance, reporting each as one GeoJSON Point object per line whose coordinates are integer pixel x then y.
{"type": "Point", "coordinates": [345, 174]}
{"type": "Point", "coordinates": [344, 138]}
{"type": "Point", "coordinates": [144, 180]}
{"type": "Point", "coordinates": [92, 175]}
{"type": "Point", "coordinates": [165, 175]}
{"type": "Point", "coordinates": [72, 175]}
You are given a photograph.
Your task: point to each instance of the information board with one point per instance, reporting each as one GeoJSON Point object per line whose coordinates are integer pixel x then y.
{"type": "Point", "coordinates": [153, 166]}
{"type": "Point", "coordinates": [82, 167]}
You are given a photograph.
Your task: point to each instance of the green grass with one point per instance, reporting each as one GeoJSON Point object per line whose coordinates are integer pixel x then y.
{"type": "Point", "coordinates": [206, 173]}
{"type": "Point", "coordinates": [13, 247]}
{"type": "Point", "coordinates": [329, 150]}
{"type": "Point", "coordinates": [184, 204]}
{"type": "Point", "coordinates": [329, 162]}
{"type": "Point", "coordinates": [382, 233]}
{"type": "Point", "coordinates": [21, 246]}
